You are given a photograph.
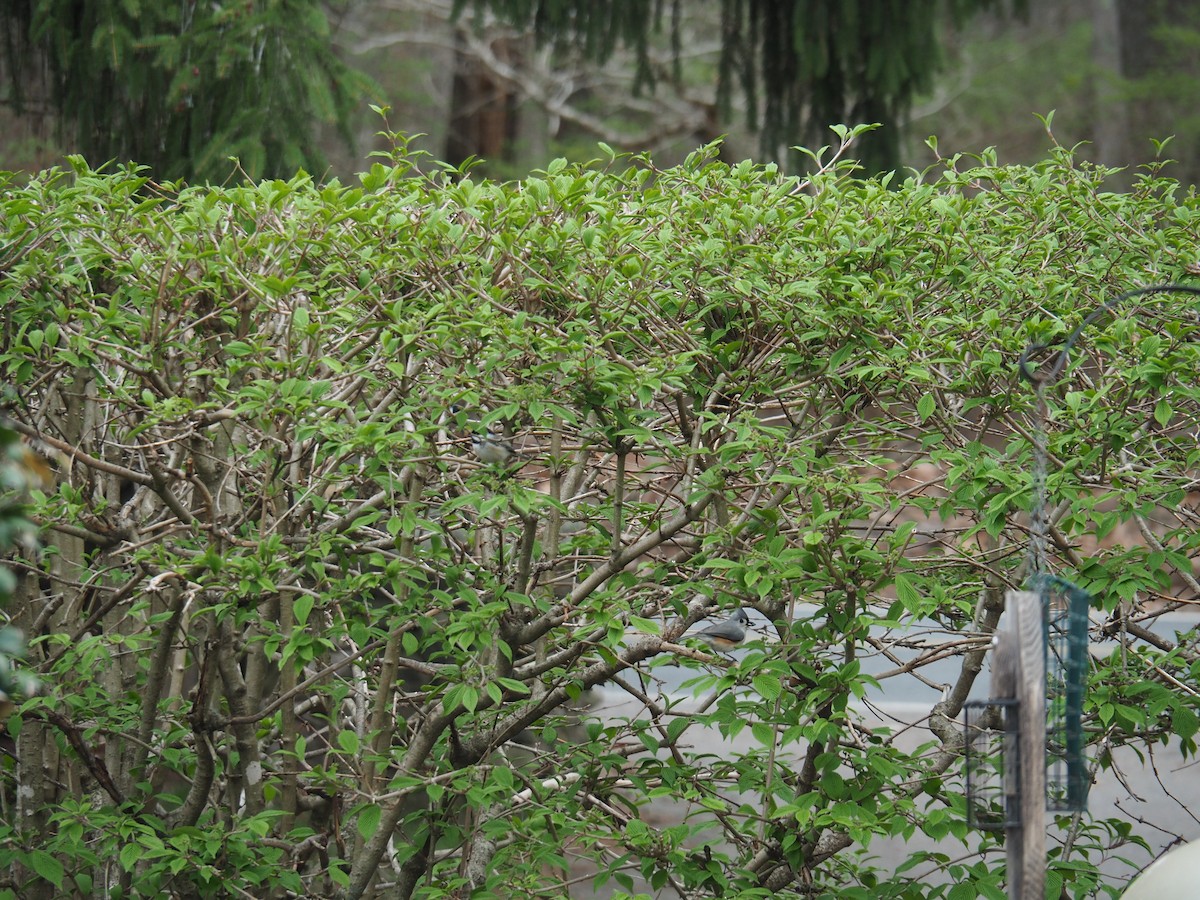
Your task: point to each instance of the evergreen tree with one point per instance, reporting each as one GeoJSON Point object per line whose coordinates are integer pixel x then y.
{"type": "Point", "coordinates": [802, 65]}
{"type": "Point", "coordinates": [181, 85]}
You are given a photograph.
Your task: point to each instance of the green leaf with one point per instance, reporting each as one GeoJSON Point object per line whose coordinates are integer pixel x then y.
{"type": "Point", "coordinates": [46, 866]}
{"type": "Point", "coordinates": [501, 777]}
{"type": "Point", "coordinates": [926, 406]}
{"type": "Point", "coordinates": [368, 820]}
{"type": "Point", "coordinates": [301, 607]}
{"type": "Point", "coordinates": [130, 855]}
{"type": "Point", "coordinates": [520, 688]}
{"type": "Point", "coordinates": [768, 685]}
{"type": "Point", "coordinates": [469, 697]}
{"type": "Point", "coordinates": [1184, 722]}
{"type": "Point", "coordinates": [676, 727]}
{"type": "Point", "coordinates": [645, 626]}
{"type": "Point", "coordinates": [338, 873]}
{"type": "Point", "coordinates": [907, 593]}
{"type": "Point", "coordinates": [348, 741]}
{"type": "Point", "coordinates": [1163, 412]}
{"type": "Point", "coordinates": [239, 349]}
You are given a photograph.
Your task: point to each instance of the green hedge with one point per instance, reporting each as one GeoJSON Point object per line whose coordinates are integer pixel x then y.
{"type": "Point", "coordinates": [295, 637]}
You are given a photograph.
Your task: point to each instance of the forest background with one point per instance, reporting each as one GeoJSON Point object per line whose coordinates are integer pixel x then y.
{"type": "Point", "coordinates": [1120, 75]}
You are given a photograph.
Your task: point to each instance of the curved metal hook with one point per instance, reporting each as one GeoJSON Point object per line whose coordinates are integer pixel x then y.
{"type": "Point", "coordinates": [1046, 375]}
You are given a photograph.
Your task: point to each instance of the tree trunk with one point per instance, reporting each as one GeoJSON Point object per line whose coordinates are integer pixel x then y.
{"type": "Point", "coordinates": [483, 108]}
{"type": "Point", "coordinates": [1111, 108]}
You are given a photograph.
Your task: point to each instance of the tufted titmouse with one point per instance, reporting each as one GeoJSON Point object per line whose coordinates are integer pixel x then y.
{"type": "Point", "coordinates": [724, 636]}
{"type": "Point", "coordinates": [493, 450]}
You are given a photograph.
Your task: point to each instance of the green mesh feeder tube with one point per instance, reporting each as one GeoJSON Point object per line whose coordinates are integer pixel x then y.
{"type": "Point", "coordinates": [1065, 610]}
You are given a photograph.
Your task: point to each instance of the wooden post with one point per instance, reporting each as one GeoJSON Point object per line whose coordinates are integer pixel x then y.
{"type": "Point", "coordinates": [1027, 872]}
{"type": "Point", "coordinates": [1019, 672]}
